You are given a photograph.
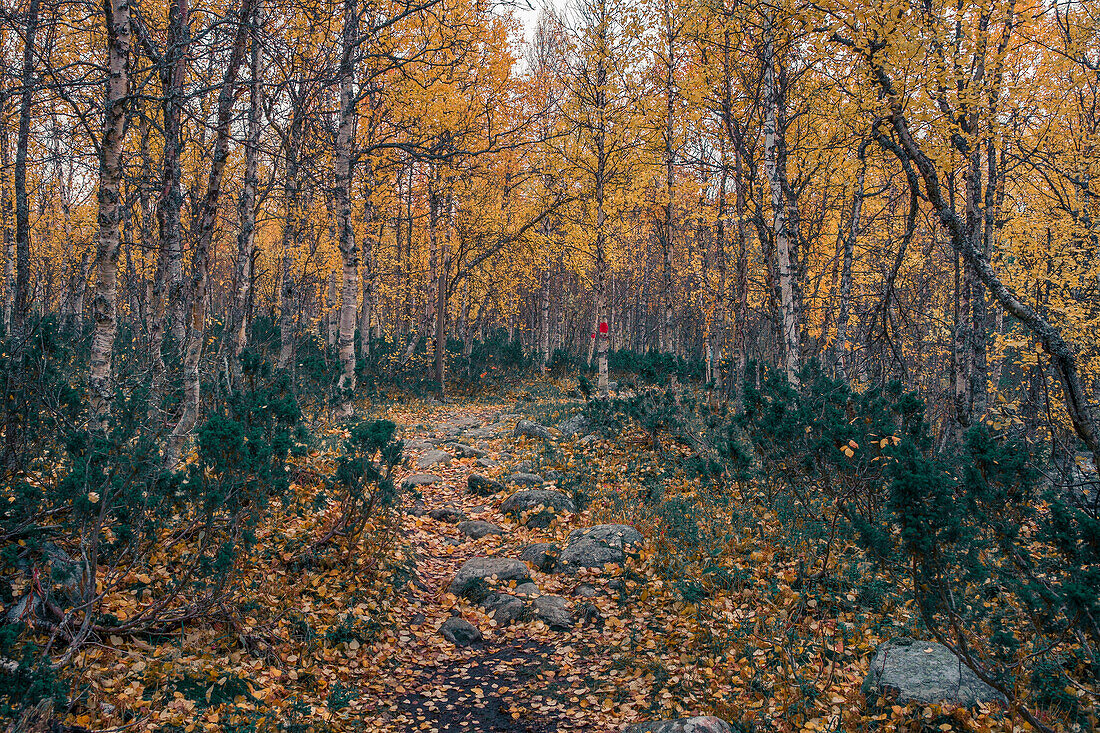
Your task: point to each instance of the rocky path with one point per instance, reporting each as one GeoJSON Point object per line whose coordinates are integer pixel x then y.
{"type": "Point", "coordinates": [495, 633]}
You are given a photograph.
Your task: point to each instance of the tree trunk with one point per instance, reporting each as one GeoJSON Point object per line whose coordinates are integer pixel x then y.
{"type": "Point", "coordinates": [775, 164]}
{"type": "Point", "coordinates": [200, 267]}
{"type": "Point", "coordinates": [104, 308]}
{"type": "Point", "coordinates": [846, 264]}
{"type": "Point", "coordinates": [246, 208]}
{"type": "Point", "coordinates": [349, 252]}
{"type": "Point", "coordinates": [22, 207]}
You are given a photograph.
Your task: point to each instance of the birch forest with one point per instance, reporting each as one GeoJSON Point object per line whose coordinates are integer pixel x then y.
{"type": "Point", "coordinates": [667, 366]}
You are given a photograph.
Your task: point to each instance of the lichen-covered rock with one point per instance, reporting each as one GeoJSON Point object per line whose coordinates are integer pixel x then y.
{"type": "Point", "coordinates": [466, 451]}
{"type": "Point", "coordinates": [543, 555]}
{"type": "Point", "coordinates": [449, 514]}
{"type": "Point", "coordinates": [554, 612]}
{"type": "Point", "coordinates": [531, 429]}
{"type": "Point", "coordinates": [525, 479]}
{"type": "Point", "coordinates": [433, 458]}
{"type": "Point", "coordinates": [420, 479]}
{"type": "Point", "coordinates": [478, 573]}
{"type": "Point", "coordinates": [459, 631]}
{"type": "Point", "coordinates": [482, 486]}
{"type": "Point", "coordinates": [910, 670]}
{"type": "Point", "coordinates": [526, 504]}
{"type": "Point", "coordinates": [574, 426]}
{"type": "Point", "coordinates": [598, 546]}
{"type": "Point", "coordinates": [700, 724]}
{"type": "Point", "coordinates": [478, 528]}
{"type": "Point", "coordinates": [505, 607]}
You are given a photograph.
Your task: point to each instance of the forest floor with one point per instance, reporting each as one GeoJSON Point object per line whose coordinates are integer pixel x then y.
{"type": "Point", "coordinates": [350, 640]}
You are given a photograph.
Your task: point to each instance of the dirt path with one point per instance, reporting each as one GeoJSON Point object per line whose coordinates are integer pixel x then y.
{"type": "Point", "coordinates": [509, 680]}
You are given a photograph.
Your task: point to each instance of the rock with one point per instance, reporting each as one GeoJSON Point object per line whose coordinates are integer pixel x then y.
{"type": "Point", "coordinates": [531, 429]}
{"type": "Point", "coordinates": [504, 607]}
{"type": "Point", "coordinates": [418, 509]}
{"type": "Point", "coordinates": [597, 546]}
{"type": "Point", "coordinates": [459, 631]}
{"type": "Point", "coordinates": [477, 484]}
{"type": "Point", "coordinates": [584, 590]}
{"type": "Point", "coordinates": [420, 479]}
{"type": "Point", "coordinates": [24, 610]}
{"type": "Point", "coordinates": [471, 579]}
{"type": "Point", "coordinates": [525, 467]}
{"type": "Point", "coordinates": [574, 426]}
{"type": "Point", "coordinates": [589, 439]}
{"type": "Point", "coordinates": [612, 386]}
{"type": "Point", "coordinates": [554, 612]}
{"type": "Point", "coordinates": [450, 514]}
{"type": "Point", "coordinates": [527, 501]}
{"type": "Point", "coordinates": [543, 555]}
{"type": "Point", "coordinates": [487, 432]}
{"type": "Point", "coordinates": [419, 445]}
{"type": "Point", "coordinates": [527, 589]}
{"type": "Point", "coordinates": [478, 529]}
{"type": "Point", "coordinates": [433, 458]}
{"type": "Point", "coordinates": [525, 479]}
{"type": "Point", "coordinates": [486, 463]}
{"type": "Point", "coordinates": [925, 672]}
{"type": "Point", "coordinates": [467, 451]}
{"type": "Point", "coordinates": [701, 724]}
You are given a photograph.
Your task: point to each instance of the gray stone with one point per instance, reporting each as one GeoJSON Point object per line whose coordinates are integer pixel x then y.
{"type": "Point", "coordinates": [525, 479]}
{"type": "Point", "coordinates": [525, 504]}
{"type": "Point", "coordinates": [589, 439]}
{"type": "Point", "coordinates": [477, 484]}
{"type": "Point", "coordinates": [420, 444]}
{"type": "Point", "coordinates": [472, 578]}
{"type": "Point", "coordinates": [505, 607]}
{"type": "Point", "coordinates": [433, 458]}
{"type": "Point", "coordinates": [527, 589]}
{"type": "Point", "coordinates": [450, 514]}
{"type": "Point", "coordinates": [530, 429]}
{"type": "Point", "coordinates": [925, 672]}
{"type": "Point", "coordinates": [525, 467]}
{"type": "Point", "coordinates": [598, 546]}
{"type": "Point", "coordinates": [700, 724]}
{"type": "Point", "coordinates": [543, 555]}
{"type": "Point", "coordinates": [574, 426]}
{"type": "Point", "coordinates": [420, 479]}
{"type": "Point", "coordinates": [554, 612]}
{"type": "Point", "coordinates": [486, 463]}
{"type": "Point", "coordinates": [467, 451]}
{"type": "Point", "coordinates": [417, 508]}
{"type": "Point", "coordinates": [478, 529]}
{"type": "Point", "coordinates": [459, 631]}
{"type": "Point", "coordinates": [584, 590]}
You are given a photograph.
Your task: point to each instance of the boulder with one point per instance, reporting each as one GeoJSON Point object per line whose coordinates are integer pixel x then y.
{"type": "Point", "coordinates": [700, 724]}
{"type": "Point", "coordinates": [525, 479]}
{"type": "Point", "coordinates": [471, 579]}
{"type": "Point", "coordinates": [527, 589]}
{"type": "Point", "coordinates": [926, 672]}
{"type": "Point", "coordinates": [433, 458]}
{"type": "Point", "coordinates": [554, 612]}
{"type": "Point", "coordinates": [420, 444]}
{"type": "Point", "coordinates": [417, 508]}
{"type": "Point", "coordinates": [589, 439]}
{"type": "Point", "coordinates": [597, 546]}
{"type": "Point", "coordinates": [574, 426]}
{"type": "Point", "coordinates": [543, 555]}
{"type": "Point", "coordinates": [584, 590]}
{"type": "Point", "coordinates": [477, 484]}
{"type": "Point", "coordinates": [478, 529]}
{"type": "Point", "coordinates": [526, 503]}
{"type": "Point", "coordinates": [450, 514]}
{"type": "Point", "coordinates": [531, 429]}
{"type": "Point", "coordinates": [525, 467]}
{"type": "Point", "coordinates": [459, 631]}
{"type": "Point", "coordinates": [417, 480]}
{"type": "Point", "coordinates": [505, 607]}
{"type": "Point", "coordinates": [486, 463]}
